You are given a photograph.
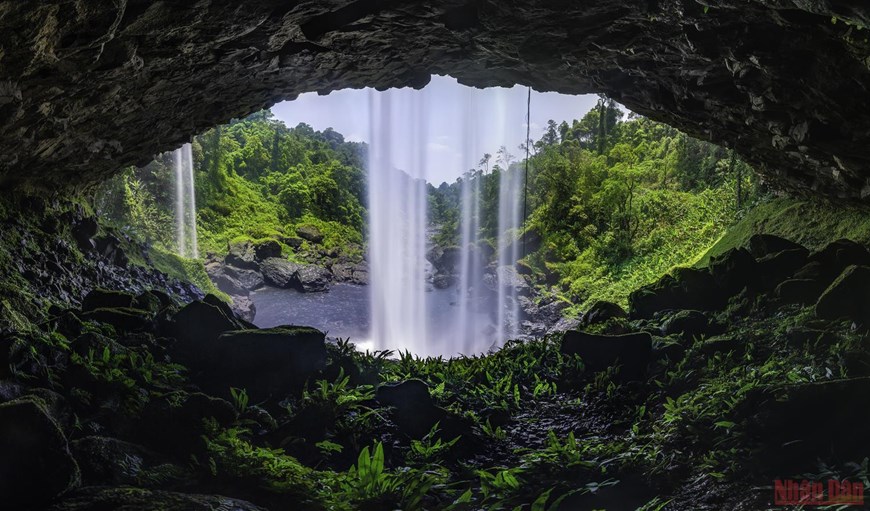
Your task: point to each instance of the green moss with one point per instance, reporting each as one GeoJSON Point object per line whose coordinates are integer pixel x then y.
{"type": "Point", "coordinates": [187, 270]}
{"type": "Point", "coordinates": [812, 223]}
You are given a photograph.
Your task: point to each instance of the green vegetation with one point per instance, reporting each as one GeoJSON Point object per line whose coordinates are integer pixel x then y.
{"type": "Point", "coordinates": [616, 203]}
{"type": "Point", "coordinates": [811, 222]}
{"type": "Point", "coordinates": [255, 179]}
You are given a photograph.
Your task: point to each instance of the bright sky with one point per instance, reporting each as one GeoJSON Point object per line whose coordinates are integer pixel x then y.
{"type": "Point", "coordinates": [495, 116]}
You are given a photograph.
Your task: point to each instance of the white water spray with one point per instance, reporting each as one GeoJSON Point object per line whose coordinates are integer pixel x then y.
{"type": "Point", "coordinates": [484, 311]}
{"type": "Point", "coordinates": [185, 203]}
{"type": "Point", "coordinates": [397, 222]}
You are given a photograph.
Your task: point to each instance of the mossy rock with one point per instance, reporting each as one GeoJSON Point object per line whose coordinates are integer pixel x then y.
{"type": "Point", "coordinates": [123, 319]}
{"type": "Point", "coordinates": [130, 498]}
{"type": "Point", "coordinates": [107, 299]}
{"type": "Point", "coordinates": [36, 465]}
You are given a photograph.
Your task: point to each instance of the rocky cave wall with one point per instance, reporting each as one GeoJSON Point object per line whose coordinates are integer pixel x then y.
{"type": "Point", "coordinates": [90, 86]}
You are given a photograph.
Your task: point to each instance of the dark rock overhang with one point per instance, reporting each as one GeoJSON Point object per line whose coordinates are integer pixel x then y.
{"type": "Point", "coordinates": [87, 86]}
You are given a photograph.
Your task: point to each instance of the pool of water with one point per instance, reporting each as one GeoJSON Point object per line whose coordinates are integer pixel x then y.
{"type": "Point", "coordinates": [345, 312]}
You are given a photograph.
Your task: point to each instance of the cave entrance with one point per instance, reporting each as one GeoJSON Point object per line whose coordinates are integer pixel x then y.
{"type": "Point", "coordinates": [414, 219]}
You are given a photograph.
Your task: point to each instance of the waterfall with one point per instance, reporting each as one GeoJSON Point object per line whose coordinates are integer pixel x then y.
{"type": "Point", "coordinates": [510, 196]}
{"type": "Point", "coordinates": [397, 222]}
{"type": "Point", "coordinates": [484, 311]}
{"type": "Point", "coordinates": [185, 203]}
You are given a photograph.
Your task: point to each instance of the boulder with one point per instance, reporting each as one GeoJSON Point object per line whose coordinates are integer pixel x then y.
{"type": "Point", "coordinates": [353, 273]}
{"type": "Point", "coordinates": [800, 291]}
{"type": "Point", "coordinates": [847, 297]}
{"type": "Point", "coordinates": [196, 326]}
{"type": "Point", "coordinates": [442, 281]}
{"type": "Point", "coordinates": [247, 279]}
{"type": "Point", "coordinates": [311, 278]}
{"type": "Point", "coordinates": [414, 411]}
{"type": "Point", "coordinates": [105, 298]}
{"type": "Point", "coordinates": [775, 268]}
{"type": "Point", "coordinates": [269, 362]}
{"type": "Point", "coordinates": [292, 242]}
{"type": "Point", "coordinates": [598, 352]}
{"type": "Point", "coordinates": [445, 259]}
{"type": "Point", "coordinates": [152, 301]}
{"type": "Point", "coordinates": [690, 324]}
{"type": "Point", "coordinates": [309, 233]}
{"type": "Point", "coordinates": [175, 425]}
{"type": "Point", "coordinates": [244, 307]}
{"type": "Point", "coordinates": [307, 278]}
{"type": "Point", "coordinates": [266, 249]}
{"type": "Point", "coordinates": [762, 245]}
{"type": "Point", "coordinates": [124, 319]}
{"type": "Point", "coordinates": [507, 278]}
{"type": "Point", "coordinates": [106, 461]}
{"type": "Point", "coordinates": [795, 425]}
{"type": "Point", "coordinates": [129, 498]}
{"type": "Point", "coordinates": [36, 465]}
{"type": "Point", "coordinates": [241, 255]}
{"type": "Point", "coordinates": [734, 270]}
{"type": "Point", "coordinates": [841, 253]}
{"type": "Point", "coordinates": [109, 247]}
{"type": "Point", "coordinates": [602, 311]}
{"type": "Point", "coordinates": [687, 288]}
{"type": "Point", "coordinates": [82, 232]}
{"type": "Point", "coordinates": [229, 285]}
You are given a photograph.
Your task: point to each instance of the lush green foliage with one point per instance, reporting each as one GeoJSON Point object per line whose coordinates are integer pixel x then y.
{"type": "Point", "coordinates": [255, 178]}
{"type": "Point", "coordinates": [616, 203]}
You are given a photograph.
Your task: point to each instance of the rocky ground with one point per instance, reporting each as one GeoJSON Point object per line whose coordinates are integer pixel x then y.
{"type": "Point", "coordinates": [250, 265]}
{"type": "Point", "coordinates": [715, 382]}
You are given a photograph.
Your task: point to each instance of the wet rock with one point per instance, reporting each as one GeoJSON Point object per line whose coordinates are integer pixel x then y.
{"type": "Point", "coordinates": [414, 411]}
{"type": "Point", "coordinates": [266, 249]}
{"type": "Point", "coordinates": [506, 277]}
{"type": "Point", "coordinates": [602, 311]}
{"type": "Point", "coordinates": [445, 259]}
{"type": "Point", "coordinates": [307, 278]}
{"type": "Point", "coordinates": [353, 273]}
{"type": "Point", "coordinates": [443, 281]}
{"type": "Point", "coordinates": [564, 324]}
{"type": "Point", "coordinates": [762, 245]}
{"type": "Point", "coordinates": [775, 268]}
{"type": "Point", "coordinates": [247, 279]}
{"type": "Point", "coordinates": [309, 233]}
{"type": "Point", "coordinates": [105, 298]}
{"type": "Point", "coordinates": [229, 285]}
{"type": "Point", "coordinates": [269, 362]}
{"type": "Point", "coordinates": [847, 297]}
{"type": "Point", "coordinates": [244, 307]}
{"type": "Point", "coordinates": [36, 465]}
{"type": "Point", "coordinates": [139, 499]}
{"type": "Point", "coordinates": [734, 270]}
{"type": "Point", "coordinates": [598, 352]}
{"type": "Point", "coordinates": [241, 255]}
{"type": "Point", "coordinates": [106, 461]}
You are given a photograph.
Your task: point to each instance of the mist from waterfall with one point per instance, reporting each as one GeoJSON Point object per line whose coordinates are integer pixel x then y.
{"type": "Point", "coordinates": [185, 202]}
{"type": "Point", "coordinates": [485, 310]}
